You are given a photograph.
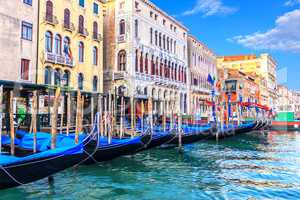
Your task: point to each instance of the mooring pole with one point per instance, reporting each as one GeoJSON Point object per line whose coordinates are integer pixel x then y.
{"type": "Point", "coordinates": [54, 118]}
{"type": "Point", "coordinates": [68, 112]}
{"type": "Point", "coordinates": [1, 113]}
{"type": "Point", "coordinates": [34, 112]}
{"type": "Point", "coordinates": [77, 117]}
{"type": "Point", "coordinates": [11, 123]}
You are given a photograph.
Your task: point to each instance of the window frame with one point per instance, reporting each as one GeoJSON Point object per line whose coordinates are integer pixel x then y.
{"type": "Point", "coordinates": [29, 31]}
{"type": "Point", "coordinates": [25, 63]}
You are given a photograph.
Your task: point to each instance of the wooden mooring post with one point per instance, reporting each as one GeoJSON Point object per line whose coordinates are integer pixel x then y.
{"type": "Point", "coordinates": [11, 123]}
{"type": "Point", "coordinates": [54, 118]}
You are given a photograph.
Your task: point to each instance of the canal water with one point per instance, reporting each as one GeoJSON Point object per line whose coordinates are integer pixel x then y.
{"type": "Point", "coordinates": [249, 166]}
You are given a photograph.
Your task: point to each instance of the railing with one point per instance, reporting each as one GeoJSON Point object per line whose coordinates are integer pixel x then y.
{"type": "Point", "coordinates": [122, 38]}
{"type": "Point", "coordinates": [51, 19]}
{"type": "Point", "coordinates": [58, 59]}
{"type": "Point", "coordinates": [97, 37]}
{"type": "Point", "coordinates": [83, 32]}
{"type": "Point", "coordinates": [69, 27]}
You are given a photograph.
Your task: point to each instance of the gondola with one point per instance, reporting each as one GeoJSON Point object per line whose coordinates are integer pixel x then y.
{"type": "Point", "coordinates": [15, 171]}
{"type": "Point", "coordinates": [119, 147]}
{"type": "Point", "coordinates": [192, 134]}
{"type": "Point", "coordinates": [234, 130]}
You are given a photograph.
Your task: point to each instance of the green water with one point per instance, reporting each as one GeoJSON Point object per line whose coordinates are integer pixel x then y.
{"type": "Point", "coordinates": [250, 166]}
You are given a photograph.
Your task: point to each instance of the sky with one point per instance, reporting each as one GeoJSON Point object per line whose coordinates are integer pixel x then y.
{"type": "Point", "coordinates": [235, 27]}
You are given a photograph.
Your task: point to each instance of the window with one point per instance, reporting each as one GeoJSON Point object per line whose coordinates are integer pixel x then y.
{"type": "Point", "coordinates": [28, 2]}
{"type": "Point", "coordinates": [26, 31]}
{"type": "Point", "coordinates": [96, 8]}
{"type": "Point", "coordinates": [122, 60]}
{"type": "Point", "coordinates": [25, 69]}
{"type": "Point", "coordinates": [136, 5]}
{"type": "Point", "coordinates": [81, 3]}
{"type": "Point", "coordinates": [151, 14]}
{"type": "Point", "coordinates": [67, 48]}
{"type": "Point", "coordinates": [81, 24]}
{"type": "Point", "coordinates": [136, 60]}
{"type": "Point", "coordinates": [122, 27]}
{"type": "Point", "coordinates": [95, 56]}
{"type": "Point", "coordinates": [49, 11]}
{"type": "Point", "coordinates": [151, 36]}
{"type": "Point", "coordinates": [57, 77]}
{"type": "Point", "coordinates": [57, 44]}
{"type": "Point", "coordinates": [155, 17]}
{"type": "Point", "coordinates": [95, 84]}
{"type": "Point", "coordinates": [47, 76]}
{"type": "Point", "coordinates": [156, 35]}
{"type": "Point", "coordinates": [141, 63]}
{"type": "Point", "coordinates": [159, 39]}
{"type": "Point", "coordinates": [164, 42]}
{"type": "Point", "coordinates": [136, 25]}
{"type": "Point", "coordinates": [81, 52]}
{"type": "Point", "coordinates": [164, 22]}
{"type": "Point", "coordinates": [48, 41]}
{"type": "Point", "coordinates": [66, 78]}
{"type": "Point", "coordinates": [67, 16]}
{"type": "Point", "coordinates": [95, 30]}
{"type": "Point", "coordinates": [80, 81]}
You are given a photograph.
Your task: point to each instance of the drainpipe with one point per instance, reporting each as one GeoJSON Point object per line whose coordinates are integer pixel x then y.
{"type": "Point", "coordinates": [37, 46]}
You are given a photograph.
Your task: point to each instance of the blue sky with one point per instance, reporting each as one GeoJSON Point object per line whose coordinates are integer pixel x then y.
{"type": "Point", "coordinates": [244, 27]}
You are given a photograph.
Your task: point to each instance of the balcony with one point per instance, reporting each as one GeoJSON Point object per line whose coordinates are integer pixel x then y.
{"type": "Point", "coordinates": [58, 59]}
{"type": "Point", "coordinates": [97, 37]}
{"type": "Point", "coordinates": [51, 19]}
{"type": "Point", "coordinates": [83, 32]}
{"type": "Point", "coordinates": [120, 75]}
{"type": "Point", "coordinates": [69, 27]}
{"type": "Point", "coordinates": [121, 38]}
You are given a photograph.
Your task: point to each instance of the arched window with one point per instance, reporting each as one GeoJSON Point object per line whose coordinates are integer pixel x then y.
{"type": "Point", "coordinates": [141, 63]}
{"type": "Point", "coordinates": [168, 43]}
{"type": "Point", "coordinates": [136, 28]}
{"type": "Point", "coordinates": [164, 42]}
{"type": "Point", "coordinates": [95, 56]}
{"type": "Point", "coordinates": [67, 16]}
{"type": "Point", "coordinates": [81, 24]}
{"type": "Point", "coordinates": [81, 52]}
{"type": "Point", "coordinates": [95, 30]}
{"type": "Point", "coordinates": [159, 39]}
{"type": "Point", "coordinates": [48, 41]}
{"type": "Point", "coordinates": [49, 11]}
{"type": "Point", "coordinates": [136, 60]}
{"type": "Point", "coordinates": [151, 36]}
{"type": "Point", "coordinates": [66, 78]}
{"type": "Point", "coordinates": [122, 27]}
{"type": "Point", "coordinates": [152, 66]}
{"type": "Point", "coordinates": [47, 76]}
{"type": "Point", "coordinates": [146, 63]}
{"type": "Point", "coordinates": [122, 60]}
{"type": "Point", "coordinates": [156, 35]}
{"type": "Point", "coordinates": [57, 77]}
{"type": "Point", "coordinates": [95, 84]}
{"type": "Point", "coordinates": [67, 47]}
{"type": "Point", "coordinates": [80, 81]}
{"type": "Point", "coordinates": [57, 44]}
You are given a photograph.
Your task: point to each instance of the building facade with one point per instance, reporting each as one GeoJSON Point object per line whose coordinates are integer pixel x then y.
{"type": "Point", "coordinates": [70, 46]}
{"type": "Point", "coordinates": [262, 67]}
{"type": "Point", "coordinates": [201, 63]}
{"type": "Point", "coordinates": [18, 41]}
{"type": "Point", "coordinates": [145, 54]}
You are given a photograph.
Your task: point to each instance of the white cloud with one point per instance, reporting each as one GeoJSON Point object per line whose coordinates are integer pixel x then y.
{"type": "Point", "coordinates": [292, 2]}
{"type": "Point", "coordinates": [210, 8]}
{"type": "Point", "coordinates": [284, 36]}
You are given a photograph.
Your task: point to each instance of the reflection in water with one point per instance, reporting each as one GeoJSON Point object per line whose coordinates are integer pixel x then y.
{"type": "Point", "coordinates": [250, 166]}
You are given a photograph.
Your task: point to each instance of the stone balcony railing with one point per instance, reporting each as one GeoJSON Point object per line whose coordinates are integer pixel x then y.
{"type": "Point", "coordinates": [83, 32]}
{"type": "Point", "coordinates": [122, 38]}
{"type": "Point", "coordinates": [58, 59]}
{"type": "Point", "coordinates": [97, 37]}
{"type": "Point", "coordinates": [69, 27]}
{"type": "Point", "coordinates": [51, 19]}
{"type": "Point", "coordinates": [200, 89]}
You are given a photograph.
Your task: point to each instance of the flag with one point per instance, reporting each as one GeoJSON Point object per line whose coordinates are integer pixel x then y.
{"type": "Point", "coordinates": [67, 51]}
{"type": "Point", "coordinates": [210, 79]}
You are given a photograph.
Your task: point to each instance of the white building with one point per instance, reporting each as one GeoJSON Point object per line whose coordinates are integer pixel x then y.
{"type": "Point", "coordinates": [18, 41]}
{"type": "Point", "coordinates": [202, 62]}
{"type": "Point", "coordinates": [145, 54]}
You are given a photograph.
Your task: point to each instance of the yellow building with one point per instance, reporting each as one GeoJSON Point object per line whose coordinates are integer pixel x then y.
{"type": "Point", "coordinates": [70, 44]}
{"type": "Point", "coordinates": [263, 68]}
